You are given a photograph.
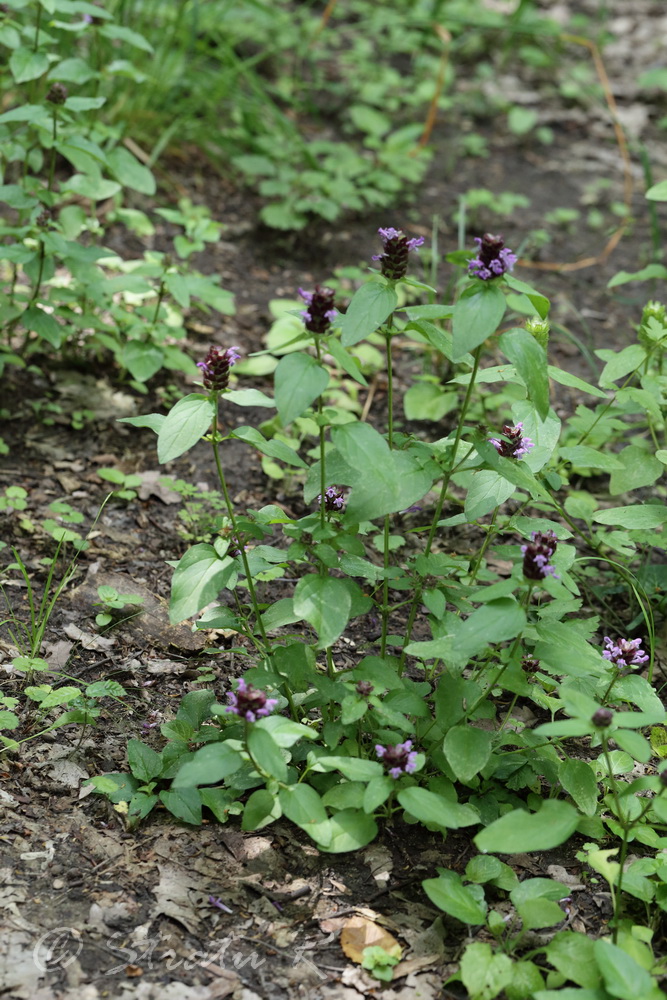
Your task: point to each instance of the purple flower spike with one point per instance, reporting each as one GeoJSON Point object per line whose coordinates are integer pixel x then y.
{"type": "Point", "coordinates": [396, 247]}
{"type": "Point", "coordinates": [249, 703]}
{"type": "Point", "coordinates": [516, 445]}
{"type": "Point", "coordinates": [493, 258]}
{"type": "Point", "coordinates": [215, 367]}
{"type": "Point", "coordinates": [399, 759]}
{"type": "Point", "coordinates": [334, 498]}
{"type": "Point", "coordinates": [536, 555]}
{"type": "Point", "coordinates": [624, 652]}
{"type": "Point", "coordinates": [320, 313]}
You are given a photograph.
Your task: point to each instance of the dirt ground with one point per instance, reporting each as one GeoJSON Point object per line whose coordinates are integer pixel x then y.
{"type": "Point", "coordinates": [172, 912]}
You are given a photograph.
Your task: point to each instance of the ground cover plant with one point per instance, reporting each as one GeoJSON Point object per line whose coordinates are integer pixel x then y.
{"type": "Point", "coordinates": [444, 622]}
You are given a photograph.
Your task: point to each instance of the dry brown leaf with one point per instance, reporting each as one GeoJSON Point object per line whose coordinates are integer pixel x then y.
{"type": "Point", "coordinates": [359, 933]}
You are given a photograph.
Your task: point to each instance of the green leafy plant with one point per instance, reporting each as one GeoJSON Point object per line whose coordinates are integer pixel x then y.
{"type": "Point", "coordinates": [113, 602]}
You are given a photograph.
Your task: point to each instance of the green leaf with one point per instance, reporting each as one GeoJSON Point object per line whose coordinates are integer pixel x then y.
{"type": "Point", "coordinates": [572, 954]}
{"type": "Point", "coordinates": [353, 768]}
{"type": "Point", "coordinates": [537, 913]}
{"type": "Point", "coordinates": [221, 801]}
{"type": "Point", "coordinates": [636, 516]}
{"type": "Point", "coordinates": [141, 360]}
{"type": "Point", "coordinates": [465, 902]}
{"type": "Point", "coordinates": [496, 621]}
{"type": "Point", "coordinates": [298, 381]}
{"type": "Point", "coordinates": [45, 325]}
{"type": "Point", "coordinates": [345, 360]}
{"type": "Point", "coordinates": [467, 750]}
{"type": "Point", "coordinates": [303, 806]}
{"type": "Point", "coordinates": [369, 307]}
{"type": "Point", "coordinates": [274, 449]}
{"type": "Point", "coordinates": [35, 113]}
{"type": "Point", "coordinates": [646, 273]}
{"type": "Point", "coordinates": [117, 787]}
{"type": "Point", "coordinates": [539, 301]}
{"type": "Point", "coordinates": [638, 468]}
{"type": "Point", "coordinates": [565, 378]}
{"type": "Point", "coordinates": [123, 34]}
{"type": "Point", "coordinates": [325, 603]}
{"type": "Point", "coordinates": [487, 490]}
{"type": "Point", "coordinates": [477, 316]}
{"type": "Point", "coordinates": [623, 977]}
{"type": "Point", "coordinates": [198, 579]}
{"type": "Point", "coordinates": [578, 780]}
{"type": "Point", "coordinates": [428, 808]}
{"type": "Point", "coordinates": [144, 762]}
{"type": "Point", "coordinates": [283, 731]}
{"type": "Point", "coordinates": [152, 420]}
{"type": "Point", "coordinates": [27, 65]}
{"type": "Point", "coordinates": [126, 168]}
{"type": "Point", "coordinates": [249, 397]}
{"type": "Point", "coordinates": [72, 70]}
{"type": "Point", "coordinates": [351, 829]}
{"type": "Point", "coordinates": [530, 361]}
{"type": "Point", "coordinates": [584, 457]}
{"type": "Point", "coordinates": [89, 186]}
{"type": "Point", "coordinates": [184, 804]}
{"type": "Point", "coordinates": [261, 809]}
{"type": "Point", "coordinates": [657, 192]}
{"type": "Point", "coordinates": [266, 753]}
{"type": "Point", "coordinates": [209, 765]}
{"type": "Point", "coordinates": [620, 363]}
{"type": "Point", "coordinates": [84, 103]}
{"type": "Point", "coordinates": [184, 426]}
{"type": "Point", "coordinates": [484, 974]}
{"type": "Point", "coordinates": [522, 831]}
{"type": "Point", "coordinates": [377, 792]}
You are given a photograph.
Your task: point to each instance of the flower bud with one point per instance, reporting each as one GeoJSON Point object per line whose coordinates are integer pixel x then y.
{"type": "Point", "coordinates": [396, 248]}
{"type": "Point", "coordinates": [215, 367]}
{"type": "Point", "coordinates": [602, 718]}
{"type": "Point", "coordinates": [57, 94]}
{"type": "Point", "coordinates": [539, 329]}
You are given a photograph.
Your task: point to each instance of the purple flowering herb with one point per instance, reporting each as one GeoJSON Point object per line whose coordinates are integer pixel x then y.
{"type": "Point", "coordinates": [249, 703]}
{"type": "Point", "coordinates": [364, 688]}
{"type": "Point", "coordinates": [215, 367]}
{"type": "Point", "coordinates": [624, 652]}
{"type": "Point", "coordinates": [395, 250]}
{"type": "Point", "coordinates": [536, 555]}
{"type": "Point", "coordinates": [529, 664]}
{"type": "Point", "coordinates": [320, 313]}
{"type": "Point", "coordinates": [399, 759]}
{"type": "Point", "coordinates": [515, 445]}
{"type": "Point", "coordinates": [57, 93]}
{"type": "Point", "coordinates": [493, 258]}
{"type": "Point", "coordinates": [334, 498]}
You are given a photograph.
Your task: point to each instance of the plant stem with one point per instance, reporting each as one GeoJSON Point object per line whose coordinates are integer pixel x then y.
{"type": "Point", "coordinates": [215, 437]}
{"type": "Point", "coordinates": [441, 500]}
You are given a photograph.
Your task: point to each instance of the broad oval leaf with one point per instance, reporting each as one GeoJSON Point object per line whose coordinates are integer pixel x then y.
{"type": "Point", "coordinates": [184, 426]}
{"type": "Point", "coordinates": [325, 603]}
{"type": "Point", "coordinates": [465, 902]}
{"type": "Point", "coordinates": [519, 830]}
{"type": "Point", "coordinates": [198, 579]}
{"type": "Point", "coordinates": [299, 380]}
{"type": "Point", "coordinates": [477, 316]}
{"type": "Point", "coordinates": [370, 306]}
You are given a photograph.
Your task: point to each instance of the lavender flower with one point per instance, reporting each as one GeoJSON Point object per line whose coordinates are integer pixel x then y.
{"type": "Point", "coordinates": [334, 498]}
{"type": "Point", "coordinates": [217, 902]}
{"type": "Point", "coordinates": [396, 247]}
{"type": "Point", "coordinates": [624, 652]}
{"type": "Point", "coordinates": [249, 703]}
{"type": "Point", "coordinates": [215, 367]}
{"type": "Point", "coordinates": [320, 313]}
{"type": "Point", "coordinates": [399, 759]}
{"type": "Point", "coordinates": [536, 555]}
{"type": "Point", "coordinates": [516, 445]}
{"type": "Point", "coordinates": [493, 258]}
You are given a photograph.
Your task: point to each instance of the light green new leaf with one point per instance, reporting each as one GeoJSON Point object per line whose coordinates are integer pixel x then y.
{"type": "Point", "coordinates": [369, 307]}
{"type": "Point", "coordinates": [210, 764]}
{"type": "Point", "coordinates": [261, 809]}
{"type": "Point", "coordinates": [325, 603]}
{"type": "Point", "coordinates": [572, 954]}
{"type": "Point", "coordinates": [141, 360]}
{"type": "Point", "coordinates": [484, 974]}
{"type": "Point", "coordinates": [578, 780]}
{"type": "Point", "coordinates": [487, 491]}
{"type": "Point", "coordinates": [198, 579]}
{"type": "Point", "coordinates": [635, 516]}
{"type": "Point", "coordinates": [144, 762]}
{"type": "Point", "coordinates": [428, 807]}
{"type": "Point", "coordinates": [623, 977]}
{"type": "Point", "coordinates": [132, 174]}
{"type": "Point", "coordinates": [184, 426]}
{"type": "Point", "coordinates": [530, 361]}
{"type": "Point", "coordinates": [638, 468]}
{"type": "Point", "coordinates": [272, 448]}
{"type": "Point", "coordinates": [266, 753]}
{"type": "Point", "coordinates": [477, 316]}
{"type": "Point", "coordinates": [298, 381]}
{"type": "Point", "coordinates": [303, 806]}
{"type": "Point", "coordinates": [495, 622]}
{"type": "Point", "coordinates": [351, 829]}
{"type": "Point", "coordinates": [522, 831]}
{"type": "Point", "coordinates": [26, 65]}
{"type": "Point", "coordinates": [184, 804]}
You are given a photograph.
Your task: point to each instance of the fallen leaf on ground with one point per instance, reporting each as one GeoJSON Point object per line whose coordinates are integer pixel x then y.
{"type": "Point", "coordinates": [359, 933]}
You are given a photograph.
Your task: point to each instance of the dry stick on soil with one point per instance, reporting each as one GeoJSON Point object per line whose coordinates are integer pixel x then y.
{"type": "Point", "coordinates": [615, 238]}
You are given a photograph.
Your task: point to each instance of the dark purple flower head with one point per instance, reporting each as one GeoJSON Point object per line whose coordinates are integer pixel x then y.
{"type": "Point", "coordinates": [398, 760]}
{"type": "Point", "coordinates": [249, 703]}
{"type": "Point", "coordinates": [602, 718]}
{"type": "Point", "coordinates": [536, 555]}
{"type": "Point", "coordinates": [493, 258]}
{"type": "Point", "coordinates": [663, 778]}
{"type": "Point", "coordinates": [57, 94]}
{"type": "Point", "coordinates": [624, 652]}
{"type": "Point", "coordinates": [516, 445]}
{"type": "Point", "coordinates": [320, 313]}
{"type": "Point", "coordinates": [364, 688]}
{"type": "Point", "coordinates": [530, 664]}
{"type": "Point", "coordinates": [396, 247]}
{"type": "Point", "coordinates": [334, 498]}
{"type": "Point", "coordinates": [215, 367]}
